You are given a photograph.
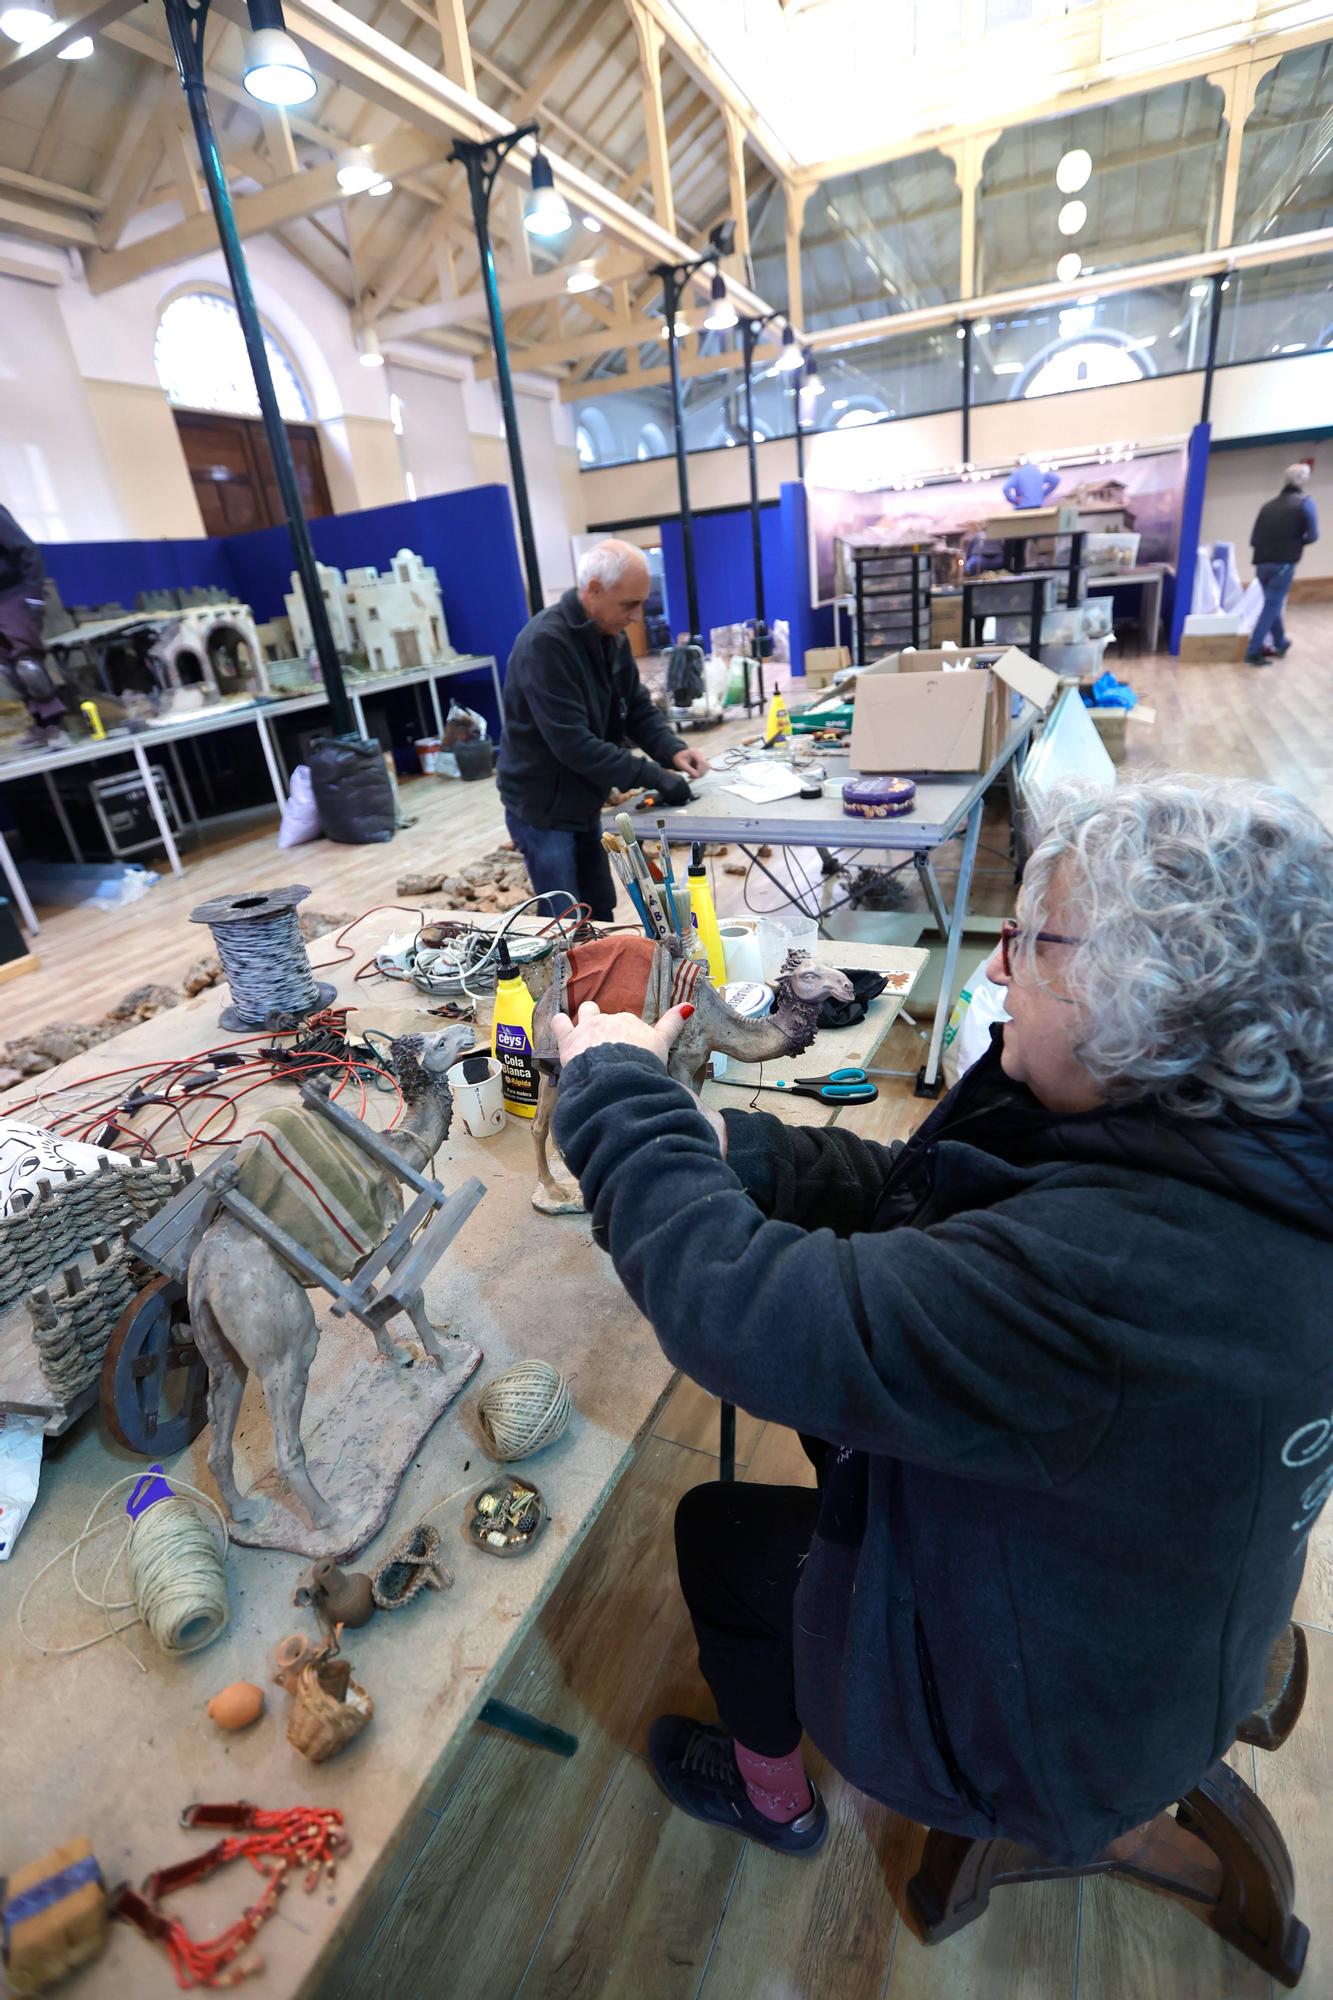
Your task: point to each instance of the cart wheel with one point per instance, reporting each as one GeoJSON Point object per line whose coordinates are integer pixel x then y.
{"type": "Point", "coordinates": [151, 1345]}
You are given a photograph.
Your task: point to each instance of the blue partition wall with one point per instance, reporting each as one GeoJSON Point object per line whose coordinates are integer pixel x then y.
{"type": "Point", "coordinates": [724, 563]}
{"type": "Point", "coordinates": [467, 538]}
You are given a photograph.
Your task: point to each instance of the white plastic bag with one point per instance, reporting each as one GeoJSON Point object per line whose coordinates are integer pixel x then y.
{"type": "Point", "coordinates": [300, 815]}
{"type": "Point", "coordinates": [1249, 607]}
{"type": "Point", "coordinates": [20, 1470]}
{"type": "Point", "coordinates": [967, 1037]}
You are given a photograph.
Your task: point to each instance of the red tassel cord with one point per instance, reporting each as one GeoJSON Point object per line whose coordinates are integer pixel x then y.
{"type": "Point", "coordinates": [276, 1844]}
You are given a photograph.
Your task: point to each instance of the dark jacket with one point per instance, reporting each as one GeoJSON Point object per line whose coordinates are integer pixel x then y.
{"type": "Point", "coordinates": [573, 698]}
{"type": "Point", "coordinates": [1076, 1376]}
{"type": "Point", "coordinates": [22, 571]}
{"type": "Point", "coordinates": [1284, 527]}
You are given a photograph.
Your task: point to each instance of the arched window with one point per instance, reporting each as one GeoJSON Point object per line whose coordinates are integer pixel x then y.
{"type": "Point", "coordinates": [1093, 362]}
{"type": "Point", "coordinates": [587, 449]}
{"type": "Point", "coordinates": [652, 442]}
{"type": "Point", "coordinates": [202, 363]}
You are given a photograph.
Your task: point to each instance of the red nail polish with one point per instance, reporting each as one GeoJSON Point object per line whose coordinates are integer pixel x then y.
{"type": "Point", "coordinates": [686, 1011]}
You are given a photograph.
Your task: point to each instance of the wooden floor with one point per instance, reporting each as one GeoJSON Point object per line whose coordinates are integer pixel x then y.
{"type": "Point", "coordinates": [525, 1874]}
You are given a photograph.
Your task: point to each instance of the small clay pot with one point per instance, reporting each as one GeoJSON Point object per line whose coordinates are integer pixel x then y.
{"type": "Point", "coordinates": [237, 1706]}
{"type": "Point", "coordinates": [337, 1596]}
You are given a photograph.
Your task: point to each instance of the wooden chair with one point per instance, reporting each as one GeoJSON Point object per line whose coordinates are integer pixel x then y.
{"type": "Point", "coordinates": [1220, 1855]}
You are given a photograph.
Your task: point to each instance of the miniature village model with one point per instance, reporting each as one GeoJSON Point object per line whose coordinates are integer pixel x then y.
{"type": "Point", "coordinates": [393, 621]}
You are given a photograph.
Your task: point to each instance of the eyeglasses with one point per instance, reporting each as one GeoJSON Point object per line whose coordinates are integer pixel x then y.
{"type": "Point", "coordinates": [1011, 929]}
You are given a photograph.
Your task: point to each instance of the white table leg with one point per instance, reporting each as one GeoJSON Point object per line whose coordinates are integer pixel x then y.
{"type": "Point", "coordinates": [183, 782]}
{"type": "Point", "coordinates": [955, 939]}
{"type": "Point", "coordinates": [58, 808]}
{"type": "Point", "coordinates": [359, 713]}
{"type": "Point", "coordinates": [435, 704]}
{"type": "Point", "coordinates": [150, 786]}
{"type": "Point", "coordinates": [270, 758]}
{"type": "Point", "coordinates": [16, 888]}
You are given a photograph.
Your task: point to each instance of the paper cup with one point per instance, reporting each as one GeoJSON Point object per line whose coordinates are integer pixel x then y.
{"type": "Point", "coordinates": [740, 948]}
{"type": "Point", "coordinates": [428, 754]}
{"type": "Point", "coordinates": [479, 1106]}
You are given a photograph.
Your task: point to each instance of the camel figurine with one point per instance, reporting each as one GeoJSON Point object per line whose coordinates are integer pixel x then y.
{"type": "Point", "coordinates": [626, 966]}
{"type": "Point", "coordinates": [249, 1310]}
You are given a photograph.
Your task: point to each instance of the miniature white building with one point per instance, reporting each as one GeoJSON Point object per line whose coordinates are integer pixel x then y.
{"type": "Point", "coordinates": [396, 620]}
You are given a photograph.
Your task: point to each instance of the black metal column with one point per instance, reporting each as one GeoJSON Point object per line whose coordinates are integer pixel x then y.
{"type": "Point", "coordinates": [1214, 329]}
{"type": "Point", "coordinates": [671, 299]}
{"type": "Point", "coordinates": [749, 333]}
{"type": "Point", "coordinates": [185, 22]}
{"type": "Point", "coordinates": [482, 162]}
{"type": "Point", "coordinates": [799, 432]}
{"type": "Point", "coordinates": [966, 404]}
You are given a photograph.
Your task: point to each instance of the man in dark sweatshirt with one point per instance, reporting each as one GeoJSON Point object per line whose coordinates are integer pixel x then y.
{"type": "Point", "coordinates": [574, 704]}
{"type": "Point", "coordinates": [1283, 529]}
{"type": "Point", "coordinates": [1062, 1360]}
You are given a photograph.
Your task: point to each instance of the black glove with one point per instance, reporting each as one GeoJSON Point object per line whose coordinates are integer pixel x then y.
{"type": "Point", "coordinates": [674, 789]}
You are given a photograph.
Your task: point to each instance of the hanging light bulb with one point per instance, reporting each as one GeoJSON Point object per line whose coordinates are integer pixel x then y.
{"type": "Point", "coordinates": [1074, 171]}
{"type": "Point", "coordinates": [368, 350]}
{"type": "Point", "coordinates": [76, 51]}
{"type": "Point", "coordinates": [545, 212]}
{"type": "Point", "coordinates": [591, 222]}
{"type": "Point", "coordinates": [582, 279]}
{"type": "Point", "coordinates": [276, 71]}
{"type": "Point", "coordinates": [1072, 218]}
{"type": "Point", "coordinates": [380, 189]}
{"type": "Point", "coordinates": [791, 356]}
{"type": "Point", "coordinates": [27, 20]}
{"type": "Point", "coordinates": [1069, 267]}
{"type": "Point", "coordinates": [357, 171]}
{"type": "Point", "coordinates": [721, 312]}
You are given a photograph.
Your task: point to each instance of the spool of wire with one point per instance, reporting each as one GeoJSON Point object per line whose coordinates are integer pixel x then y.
{"type": "Point", "coordinates": [264, 959]}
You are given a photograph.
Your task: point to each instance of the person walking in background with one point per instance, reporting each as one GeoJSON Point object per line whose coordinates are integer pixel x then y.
{"type": "Point", "coordinates": [1283, 529]}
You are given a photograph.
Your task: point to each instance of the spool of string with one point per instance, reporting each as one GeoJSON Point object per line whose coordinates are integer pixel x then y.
{"type": "Point", "coordinates": [175, 1559]}
{"type": "Point", "coordinates": [263, 955]}
{"type": "Point", "coordinates": [524, 1409]}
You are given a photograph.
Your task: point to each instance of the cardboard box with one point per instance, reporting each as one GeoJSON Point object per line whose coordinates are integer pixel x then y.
{"type": "Point", "coordinates": [1214, 649]}
{"type": "Point", "coordinates": [822, 662]}
{"type": "Point", "coordinates": [1025, 521]}
{"type": "Point", "coordinates": [946, 618]}
{"type": "Point", "coordinates": [912, 715]}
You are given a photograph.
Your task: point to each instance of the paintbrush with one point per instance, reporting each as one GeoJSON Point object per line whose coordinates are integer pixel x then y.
{"type": "Point", "coordinates": [615, 847]}
{"type": "Point", "coordinates": [643, 876]}
{"type": "Point", "coordinates": [665, 849]}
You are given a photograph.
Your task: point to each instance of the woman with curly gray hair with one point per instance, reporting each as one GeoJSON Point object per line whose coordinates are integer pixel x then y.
{"type": "Point", "coordinates": [1062, 1360]}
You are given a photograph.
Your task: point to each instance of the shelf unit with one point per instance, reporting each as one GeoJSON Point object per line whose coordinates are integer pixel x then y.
{"type": "Point", "coordinates": [1022, 590]}
{"type": "Point", "coordinates": [890, 598]}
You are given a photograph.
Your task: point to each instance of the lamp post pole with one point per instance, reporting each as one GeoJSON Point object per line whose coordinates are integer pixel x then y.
{"type": "Point", "coordinates": [185, 22]}
{"type": "Point", "coordinates": [482, 159]}
{"type": "Point", "coordinates": [673, 278]}
{"type": "Point", "coordinates": [750, 331]}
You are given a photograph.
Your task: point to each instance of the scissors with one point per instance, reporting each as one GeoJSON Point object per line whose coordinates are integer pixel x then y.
{"type": "Point", "coordinates": [840, 1086]}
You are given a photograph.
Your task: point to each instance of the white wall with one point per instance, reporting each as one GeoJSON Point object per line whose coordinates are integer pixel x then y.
{"type": "Point", "coordinates": [54, 474]}
{"type": "Point", "coordinates": [1240, 481]}
{"type": "Point", "coordinates": [436, 442]}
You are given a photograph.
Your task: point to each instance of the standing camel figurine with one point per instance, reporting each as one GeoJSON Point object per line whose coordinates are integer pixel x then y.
{"type": "Point", "coordinates": [250, 1310]}
{"type": "Point", "coordinates": [629, 974]}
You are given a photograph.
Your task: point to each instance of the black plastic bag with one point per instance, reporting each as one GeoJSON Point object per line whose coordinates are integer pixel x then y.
{"type": "Point", "coordinates": [352, 790]}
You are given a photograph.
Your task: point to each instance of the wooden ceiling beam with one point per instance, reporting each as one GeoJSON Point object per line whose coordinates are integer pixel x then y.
{"type": "Point", "coordinates": [35, 184]}
{"type": "Point", "coordinates": [693, 53]}
{"type": "Point", "coordinates": [569, 42]}
{"type": "Point", "coordinates": [87, 20]}
{"type": "Point", "coordinates": [723, 363]}
{"type": "Point", "coordinates": [51, 226]}
{"type": "Point", "coordinates": [53, 125]}
{"type": "Point", "coordinates": [282, 201]}
{"type": "Point", "coordinates": [140, 160]}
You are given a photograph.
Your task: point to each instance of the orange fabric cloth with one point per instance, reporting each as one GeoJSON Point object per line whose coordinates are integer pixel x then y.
{"type": "Point", "coordinates": [613, 971]}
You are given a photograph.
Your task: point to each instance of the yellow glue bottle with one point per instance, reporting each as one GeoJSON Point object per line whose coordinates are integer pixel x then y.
{"type": "Point", "coordinates": [705, 917]}
{"type": "Point", "coordinates": [777, 723]}
{"type": "Point", "coordinates": [511, 1038]}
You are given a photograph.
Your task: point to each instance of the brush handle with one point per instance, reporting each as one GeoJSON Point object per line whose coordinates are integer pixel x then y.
{"type": "Point", "coordinates": [661, 928]}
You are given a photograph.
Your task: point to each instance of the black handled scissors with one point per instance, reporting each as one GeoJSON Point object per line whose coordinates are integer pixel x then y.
{"type": "Point", "coordinates": [840, 1086]}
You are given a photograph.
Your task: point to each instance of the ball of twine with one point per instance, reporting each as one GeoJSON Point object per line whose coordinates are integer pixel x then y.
{"type": "Point", "coordinates": [523, 1409]}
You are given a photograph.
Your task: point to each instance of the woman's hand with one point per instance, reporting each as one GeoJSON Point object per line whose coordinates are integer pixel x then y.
{"type": "Point", "coordinates": [596, 1030]}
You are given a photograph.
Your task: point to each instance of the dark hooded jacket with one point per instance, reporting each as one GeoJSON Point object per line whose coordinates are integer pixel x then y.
{"type": "Point", "coordinates": [1076, 1377]}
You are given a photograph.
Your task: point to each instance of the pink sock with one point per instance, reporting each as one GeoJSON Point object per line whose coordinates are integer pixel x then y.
{"type": "Point", "coordinates": [777, 1786]}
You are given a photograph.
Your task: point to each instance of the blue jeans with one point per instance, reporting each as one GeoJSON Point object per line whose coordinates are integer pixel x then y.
{"type": "Point", "coordinates": [1276, 580]}
{"type": "Point", "coordinates": [558, 859]}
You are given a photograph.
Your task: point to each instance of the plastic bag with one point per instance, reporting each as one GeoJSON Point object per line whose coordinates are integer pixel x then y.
{"type": "Point", "coordinates": [20, 1470]}
{"type": "Point", "coordinates": [352, 790]}
{"type": "Point", "coordinates": [975, 1012]}
{"type": "Point", "coordinates": [1251, 604]}
{"type": "Point", "coordinates": [300, 815]}
{"type": "Point", "coordinates": [462, 725]}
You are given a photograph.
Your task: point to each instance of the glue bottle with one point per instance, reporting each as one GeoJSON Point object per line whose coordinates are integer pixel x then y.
{"type": "Point", "coordinates": [511, 1038]}
{"type": "Point", "coordinates": [777, 723]}
{"type": "Point", "coordinates": [705, 917]}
